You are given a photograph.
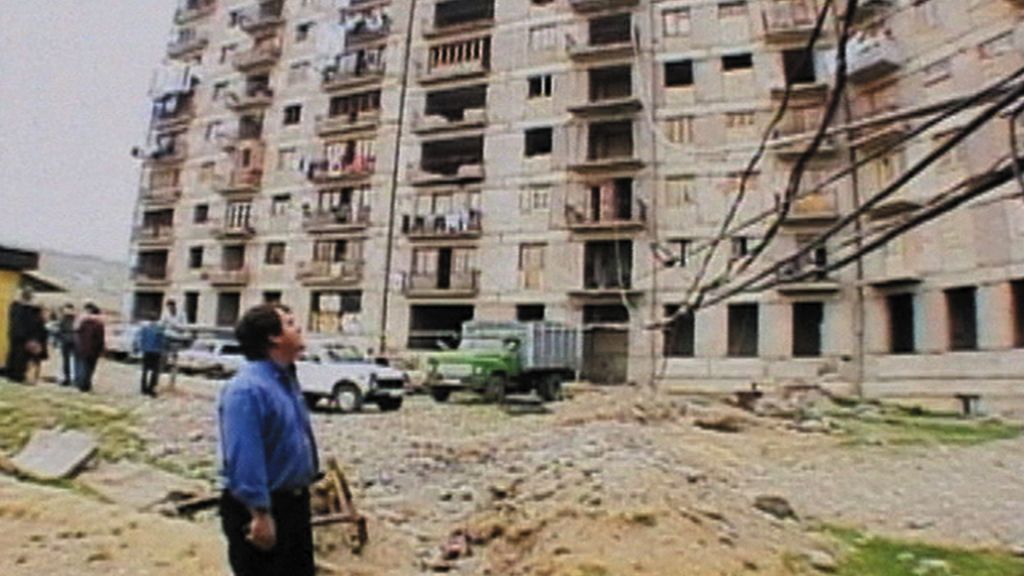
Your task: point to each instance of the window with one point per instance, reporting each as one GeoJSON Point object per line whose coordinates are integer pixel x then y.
{"type": "Point", "coordinates": [328, 310]}
{"type": "Point", "coordinates": [798, 66]}
{"type": "Point", "coordinates": [192, 307]}
{"type": "Point", "coordinates": [675, 22]}
{"type": "Point", "coordinates": [680, 253]}
{"type": "Point", "coordinates": [213, 130]}
{"type": "Point", "coordinates": [679, 74]}
{"type": "Point", "coordinates": [740, 247]}
{"type": "Point", "coordinates": [743, 330]}
{"type": "Point", "coordinates": [1017, 297]}
{"type": "Point", "coordinates": [226, 51]}
{"type": "Point", "coordinates": [901, 323]}
{"type": "Point", "coordinates": [195, 257]}
{"type": "Point", "coordinates": [530, 312]}
{"type": "Point", "coordinates": [962, 318]}
{"type": "Point", "coordinates": [531, 266]}
{"type": "Point", "coordinates": [737, 62]}
{"type": "Point", "coordinates": [201, 214]}
{"type": "Point", "coordinates": [298, 73]}
{"type": "Point", "coordinates": [808, 318]}
{"type": "Point", "coordinates": [286, 158]}
{"type": "Point", "coordinates": [733, 9]}
{"type": "Point", "coordinates": [272, 297]}
{"type": "Point", "coordinates": [218, 91]}
{"type": "Point", "coordinates": [538, 142]}
{"type": "Point", "coordinates": [229, 304]}
{"type": "Point", "coordinates": [678, 335]}
{"type": "Point", "coordinates": [543, 38]}
{"type": "Point", "coordinates": [292, 114]}
{"type": "Point", "coordinates": [534, 199]}
{"type": "Point", "coordinates": [679, 130]}
{"type": "Point", "coordinates": [679, 190]}
{"type": "Point", "coordinates": [540, 86]}
{"type": "Point", "coordinates": [739, 120]}
{"type": "Point", "coordinates": [207, 171]}
{"type": "Point", "coordinates": [275, 254]}
{"type": "Point", "coordinates": [302, 32]}
{"type": "Point", "coordinates": [279, 204]}
{"type": "Point", "coordinates": [234, 18]}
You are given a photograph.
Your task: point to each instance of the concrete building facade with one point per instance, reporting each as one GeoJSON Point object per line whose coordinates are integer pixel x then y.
{"type": "Point", "coordinates": [391, 168]}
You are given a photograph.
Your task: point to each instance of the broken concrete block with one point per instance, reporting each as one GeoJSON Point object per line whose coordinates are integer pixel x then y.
{"type": "Point", "coordinates": [54, 454]}
{"type": "Point", "coordinates": [138, 486]}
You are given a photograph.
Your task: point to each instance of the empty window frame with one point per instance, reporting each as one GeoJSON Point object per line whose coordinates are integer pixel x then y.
{"type": "Point", "coordinates": [275, 254]}
{"type": "Point", "coordinates": [737, 62]}
{"type": "Point", "coordinates": [538, 142]}
{"type": "Point", "coordinates": [680, 335]}
{"type": "Point", "coordinates": [1017, 296]}
{"type": "Point", "coordinates": [962, 318]}
{"type": "Point", "coordinates": [743, 330]}
{"type": "Point", "coordinates": [679, 74]}
{"type": "Point", "coordinates": [540, 86]}
{"type": "Point", "coordinates": [292, 114]}
{"type": "Point", "coordinates": [900, 309]}
{"type": "Point", "coordinates": [808, 320]}
{"type": "Point", "coordinates": [530, 312]}
{"type": "Point", "coordinates": [675, 22]}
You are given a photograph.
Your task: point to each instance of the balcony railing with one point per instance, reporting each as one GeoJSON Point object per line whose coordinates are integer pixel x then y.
{"type": "Point", "coordinates": [264, 17]}
{"type": "Point", "coordinates": [822, 206]}
{"type": "Point", "coordinates": [607, 106]}
{"type": "Point", "coordinates": [471, 118]}
{"type": "Point", "coordinates": [871, 56]}
{"type": "Point", "coordinates": [153, 234]}
{"type": "Point", "coordinates": [342, 123]}
{"type": "Point", "coordinates": [453, 60]}
{"type": "Point", "coordinates": [252, 97]}
{"type": "Point", "coordinates": [600, 5]}
{"type": "Point", "coordinates": [193, 10]}
{"type": "Point", "coordinates": [786, 20]}
{"type": "Point", "coordinates": [321, 171]}
{"type": "Point", "coordinates": [239, 182]}
{"type": "Point", "coordinates": [446, 174]}
{"type": "Point", "coordinates": [184, 46]}
{"type": "Point", "coordinates": [367, 32]}
{"type": "Point", "coordinates": [342, 273]}
{"type": "Point", "coordinates": [226, 277]}
{"type": "Point", "coordinates": [161, 195]}
{"type": "Point", "coordinates": [433, 285]}
{"type": "Point", "coordinates": [455, 224]}
{"type": "Point", "coordinates": [151, 275]}
{"type": "Point", "coordinates": [263, 56]}
{"type": "Point", "coordinates": [167, 118]}
{"type": "Point", "coordinates": [431, 29]}
{"type": "Point", "coordinates": [607, 163]}
{"type": "Point", "coordinates": [169, 154]}
{"type": "Point", "coordinates": [350, 72]}
{"type": "Point", "coordinates": [581, 217]}
{"type": "Point", "coordinates": [232, 230]}
{"type": "Point", "coordinates": [339, 219]}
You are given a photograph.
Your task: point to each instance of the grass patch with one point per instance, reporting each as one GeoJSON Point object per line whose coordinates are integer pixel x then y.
{"type": "Point", "coordinates": [25, 409]}
{"type": "Point", "coordinates": [876, 556]}
{"type": "Point", "coordinates": [903, 426]}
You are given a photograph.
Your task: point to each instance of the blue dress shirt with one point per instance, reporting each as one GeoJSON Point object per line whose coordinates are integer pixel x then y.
{"type": "Point", "coordinates": [266, 439]}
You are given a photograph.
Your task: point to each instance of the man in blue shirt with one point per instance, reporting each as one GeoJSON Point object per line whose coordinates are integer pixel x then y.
{"type": "Point", "coordinates": [151, 342]}
{"type": "Point", "coordinates": [268, 451]}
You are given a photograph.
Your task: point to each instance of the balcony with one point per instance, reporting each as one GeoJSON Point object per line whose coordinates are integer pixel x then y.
{"type": "Point", "coordinates": [352, 72]}
{"type": "Point", "coordinates": [263, 18]}
{"type": "Point", "coordinates": [621, 213]}
{"type": "Point", "coordinates": [458, 17]}
{"type": "Point", "coordinates": [344, 273]}
{"type": "Point", "coordinates": [470, 118]}
{"type": "Point", "coordinates": [186, 46]}
{"type": "Point", "coordinates": [451, 225]}
{"type": "Point", "coordinates": [455, 173]}
{"type": "Point", "coordinates": [603, 164]}
{"type": "Point", "coordinates": [258, 58]}
{"type": "Point", "coordinates": [327, 172]}
{"type": "Point", "coordinates": [789, 20]}
{"type": "Point", "coordinates": [153, 235]}
{"type": "Point", "coordinates": [252, 97]}
{"type": "Point", "coordinates": [241, 230]}
{"type": "Point", "coordinates": [151, 276]}
{"type": "Point", "coordinates": [607, 107]}
{"type": "Point", "coordinates": [239, 182]}
{"type": "Point", "coordinates": [340, 219]}
{"type": "Point", "coordinates": [814, 209]}
{"type": "Point", "coordinates": [226, 277]}
{"type": "Point", "coordinates": [872, 56]}
{"type": "Point", "coordinates": [173, 112]}
{"type": "Point", "coordinates": [162, 196]}
{"type": "Point", "coordinates": [873, 104]}
{"type": "Point", "coordinates": [587, 6]}
{"type": "Point", "coordinates": [193, 10]}
{"type": "Point", "coordinates": [347, 123]}
{"type": "Point", "coordinates": [368, 31]}
{"type": "Point", "coordinates": [456, 61]}
{"type": "Point", "coordinates": [803, 278]}
{"type": "Point", "coordinates": [435, 285]}
{"type": "Point", "coordinates": [162, 155]}
{"type": "Point", "coordinates": [801, 121]}
{"type": "Point", "coordinates": [607, 37]}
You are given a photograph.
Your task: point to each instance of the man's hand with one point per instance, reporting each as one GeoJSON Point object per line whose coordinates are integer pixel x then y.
{"type": "Point", "coordinates": [262, 531]}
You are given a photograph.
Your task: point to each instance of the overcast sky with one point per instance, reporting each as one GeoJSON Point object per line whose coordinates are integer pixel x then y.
{"type": "Point", "coordinates": [74, 76]}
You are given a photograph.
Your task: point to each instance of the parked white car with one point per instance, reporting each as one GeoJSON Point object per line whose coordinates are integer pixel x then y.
{"type": "Point", "coordinates": [345, 378]}
{"type": "Point", "coordinates": [120, 342]}
{"type": "Point", "coordinates": [212, 357]}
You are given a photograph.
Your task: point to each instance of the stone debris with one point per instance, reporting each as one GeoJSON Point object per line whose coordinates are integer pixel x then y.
{"type": "Point", "coordinates": [775, 506]}
{"type": "Point", "coordinates": [54, 454]}
{"type": "Point", "coordinates": [138, 486]}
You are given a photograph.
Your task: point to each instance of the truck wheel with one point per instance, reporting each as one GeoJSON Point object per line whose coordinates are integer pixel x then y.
{"type": "Point", "coordinates": [311, 399]}
{"type": "Point", "coordinates": [440, 394]}
{"type": "Point", "coordinates": [389, 404]}
{"type": "Point", "coordinates": [494, 389]}
{"type": "Point", "coordinates": [550, 388]}
{"type": "Point", "coordinates": [346, 397]}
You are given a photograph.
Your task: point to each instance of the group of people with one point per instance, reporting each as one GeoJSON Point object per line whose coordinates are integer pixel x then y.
{"type": "Point", "coordinates": [156, 338]}
{"type": "Point", "coordinates": [79, 337]}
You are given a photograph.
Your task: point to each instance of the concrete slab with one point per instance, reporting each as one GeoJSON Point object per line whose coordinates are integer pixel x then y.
{"type": "Point", "coordinates": [54, 454]}
{"type": "Point", "coordinates": [138, 486]}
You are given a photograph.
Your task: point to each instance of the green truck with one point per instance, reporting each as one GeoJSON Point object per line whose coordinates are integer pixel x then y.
{"type": "Point", "coordinates": [497, 358]}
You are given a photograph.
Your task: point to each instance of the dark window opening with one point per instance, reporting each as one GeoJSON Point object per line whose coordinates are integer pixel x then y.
{"type": "Point", "coordinates": [354, 105]}
{"type": "Point", "coordinates": [605, 314]}
{"type": "Point", "coordinates": [229, 305]}
{"type": "Point", "coordinates": [808, 318]}
{"type": "Point", "coordinates": [735, 62]}
{"type": "Point", "coordinates": [608, 264]}
{"type": "Point", "coordinates": [447, 156]}
{"type": "Point", "coordinates": [1017, 294]}
{"type": "Point", "coordinates": [453, 104]}
{"type": "Point", "coordinates": [275, 254]}
{"type": "Point", "coordinates": [233, 258]}
{"type": "Point", "coordinates": [617, 29]}
{"type": "Point", "coordinates": [147, 306]}
{"type": "Point", "coordinates": [962, 313]}
{"type": "Point", "coordinates": [292, 114]}
{"type": "Point", "coordinates": [610, 201]}
{"type": "Point", "coordinates": [272, 297]}
{"type": "Point", "coordinates": [457, 12]}
{"type": "Point", "coordinates": [679, 335]}
{"type": "Point", "coordinates": [538, 142]}
{"type": "Point", "coordinates": [611, 83]}
{"type": "Point", "coordinates": [901, 323]}
{"type": "Point", "coordinates": [679, 73]}
{"type": "Point", "coordinates": [743, 330]}
{"type": "Point", "coordinates": [610, 140]}
{"type": "Point", "coordinates": [192, 307]}
{"type": "Point", "coordinates": [540, 86]}
{"type": "Point", "coordinates": [530, 312]}
{"type": "Point", "coordinates": [195, 257]}
{"type": "Point", "coordinates": [798, 66]}
{"type": "Point", "coordinates": [434, 327]}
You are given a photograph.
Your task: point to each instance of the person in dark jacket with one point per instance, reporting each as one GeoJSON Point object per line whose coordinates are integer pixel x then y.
{"type": "Point", "coordinates": [65, 338]}
{"type": "Point", "coordinates": [151, 341]}
{"type": "Point", "coordinates": [89, 345]}
{"type": "Point", "coordinates": [37, 346]}
{"type": "Point", "coordinates": [19, 334]}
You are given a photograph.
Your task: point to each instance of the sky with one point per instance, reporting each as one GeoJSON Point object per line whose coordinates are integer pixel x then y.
{"type": "Point", "coordinates": [74, 77]}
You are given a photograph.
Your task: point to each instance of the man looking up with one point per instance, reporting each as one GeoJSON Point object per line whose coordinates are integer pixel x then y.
{"type": "Point", "coordinates": [268, 451]}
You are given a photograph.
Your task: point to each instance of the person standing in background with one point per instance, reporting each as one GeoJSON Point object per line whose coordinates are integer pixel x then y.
{"type": "Point", "coordinates": [89, 345]}
{"type": "Point", "coordinates": [65, 338]}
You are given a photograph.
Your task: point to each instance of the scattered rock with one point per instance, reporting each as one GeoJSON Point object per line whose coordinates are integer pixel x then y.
{"type": "Point", "coordinates": [729, 423]}
{"type": "Point", "coordinates": [821, 560]}
{"type": "Point", "coordinates": [775, 506]}
{"type": "Point", "coordinates": [931, 566]}
{"type": "Point", "coordinates": [54, 454]}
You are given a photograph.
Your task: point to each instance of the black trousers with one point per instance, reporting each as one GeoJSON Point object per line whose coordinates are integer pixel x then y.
{"type": "Point", "coordinates": [67, 353]}
{"type": "Point", "coordinates": [293, 554]}
{"type": "Point", "coordinates": [150, 371]}
{"type": "Point", "coordinates": [17, 360]}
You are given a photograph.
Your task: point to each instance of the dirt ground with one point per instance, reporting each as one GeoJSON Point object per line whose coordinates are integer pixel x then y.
{"type": "Point", "coordinates": [613, 481]}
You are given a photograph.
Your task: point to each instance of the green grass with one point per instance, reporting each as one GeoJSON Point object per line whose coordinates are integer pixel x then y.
{"type": "Point", "coordinates": [25, 409]}
{"type": "Point", "coordinates": [901, 426]}
{"type": "Point", "coordinates": [875, 556]}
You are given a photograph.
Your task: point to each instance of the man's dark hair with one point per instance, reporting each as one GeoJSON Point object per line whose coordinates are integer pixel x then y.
{"type": "Point", "coordinates": [256, 327]}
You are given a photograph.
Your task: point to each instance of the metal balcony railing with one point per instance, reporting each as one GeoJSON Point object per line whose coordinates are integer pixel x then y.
{"type": "Point", "coordinates": [427, 284]}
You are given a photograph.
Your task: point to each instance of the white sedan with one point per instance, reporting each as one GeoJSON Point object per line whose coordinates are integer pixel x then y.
{"type": "Point", "coordinates": [348, 380]}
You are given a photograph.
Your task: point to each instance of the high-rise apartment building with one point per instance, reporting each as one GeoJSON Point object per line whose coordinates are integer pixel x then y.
{"type": "Point", "coordinates": [391, 168]}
